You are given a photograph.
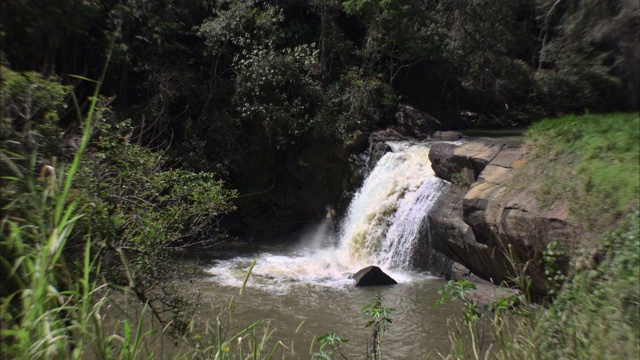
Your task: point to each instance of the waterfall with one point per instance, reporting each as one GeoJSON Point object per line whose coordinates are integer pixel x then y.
{"type": "Point", "coordinates": [388, 216]}
{"type": "Point", "coordinates": [386, 225]}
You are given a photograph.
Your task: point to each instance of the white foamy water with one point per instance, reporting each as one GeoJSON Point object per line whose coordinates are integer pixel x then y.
{"type": "Point", "coordinates": [386, 215]}
{"type": "Point", "coordinates": [384, 222]}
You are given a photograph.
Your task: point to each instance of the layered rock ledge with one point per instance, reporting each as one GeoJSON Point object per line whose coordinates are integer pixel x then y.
{"type": "Point", "coordinates": [486, 228]}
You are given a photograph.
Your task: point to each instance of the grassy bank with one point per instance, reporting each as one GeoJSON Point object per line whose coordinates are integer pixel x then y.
{"type": "Point", "coordinates": [592, 163]}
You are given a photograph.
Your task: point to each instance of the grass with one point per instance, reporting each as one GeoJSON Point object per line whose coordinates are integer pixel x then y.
{"type": "Point", "coordinates": [46, 316]}
{"type": "Point", "coordinates": [591, 162]}
{"type": "Point", "coordinates": [596, 315]}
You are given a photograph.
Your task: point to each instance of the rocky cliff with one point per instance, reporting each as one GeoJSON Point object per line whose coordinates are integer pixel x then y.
{"type": "Point", "coordinates": [487, 222]}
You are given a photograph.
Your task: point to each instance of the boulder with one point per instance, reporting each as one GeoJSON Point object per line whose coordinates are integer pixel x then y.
{"type": "Point", "coordinates": [447, 136]}
{"type": "Point", "coordinates": [441, 155]}
{"type": "Point", "coordinates": [372, 276]}
{"type": "Point", "coordinates": [454, 239]}
{"type": "Point", "coordinates": [449, 159]}
{"type": "Point", "coordinates": [495, 221]}
{"type": "Point", "coordinates": [414, 122]}
{"type": "Point", "coordinates": [378, 145]}
{"type": "Point", "coordinates": [377, 151]}
{"type": "Point", "coordinates": [359, 142]}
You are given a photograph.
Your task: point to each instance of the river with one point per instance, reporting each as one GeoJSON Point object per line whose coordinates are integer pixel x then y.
{"type": "Point", "coordinates": [304, 291]}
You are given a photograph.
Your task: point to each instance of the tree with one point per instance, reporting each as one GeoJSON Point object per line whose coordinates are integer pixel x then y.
{"type": "Point", "coordinates": [589, 54]}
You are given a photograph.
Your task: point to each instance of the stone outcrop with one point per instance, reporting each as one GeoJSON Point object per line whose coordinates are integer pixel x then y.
{"type": "Point", "coordinates": [489, 225]}
{"type": "Point", "coordinates": [446, 136]}
{"type": "Point", "coordinates": [376, 152]}
{"type": "Point", "coordinates": [413, 122]}
{"type": "Point", "coordinates": [450, 159]}
{"type": "Point", "coordinates": [372, 276]}
{"type": "Point", "coordinates": [378, 146]}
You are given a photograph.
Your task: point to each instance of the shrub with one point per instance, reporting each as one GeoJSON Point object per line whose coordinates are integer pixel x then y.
{"type": "Point", "coordinates": [30, 106]}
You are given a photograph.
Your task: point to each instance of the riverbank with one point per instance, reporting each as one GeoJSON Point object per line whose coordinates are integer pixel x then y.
{"type": "Point", "coordinates": [595, 298]}
{"type": "Point", "coordinates": [587, 166]}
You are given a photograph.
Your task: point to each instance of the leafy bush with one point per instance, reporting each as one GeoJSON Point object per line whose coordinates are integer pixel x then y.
{"type": "Point", "coordinates": [47, 311]}
{"type": "Point", "coordinates": [138, 209]}
{"type": "Point", "coordinates": [356, 102]}
{"type": "Point", "coordinates": [30, 105]}
{"type": "Point", "coordinates": [596, 313]}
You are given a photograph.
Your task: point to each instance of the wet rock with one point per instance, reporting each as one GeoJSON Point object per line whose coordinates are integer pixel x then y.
{"type": "Point", "coordinates": [447, 136]}
{"type": "Point", "coordinates": [378, 145]}
{"type": "Point", "coordinates": [378, 150]}
{"type": "Point", "coordinates": [359, 142]}
{"type": "Point", "coordinates": [372, 276]}
{"type": "Point", "coordinates": [386, 135]}
{"type": "Point", "coordinates": [441, 155]}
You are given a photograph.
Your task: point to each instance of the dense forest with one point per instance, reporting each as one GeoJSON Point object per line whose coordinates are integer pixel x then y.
{"type": "Point", "coordinates": [168, 122]}
{"type": "Point", "coordinates": [263, 94]}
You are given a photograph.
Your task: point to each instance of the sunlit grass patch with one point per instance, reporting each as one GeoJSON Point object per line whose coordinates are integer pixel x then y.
{"type": "Point", "coordinates": [592, 162]}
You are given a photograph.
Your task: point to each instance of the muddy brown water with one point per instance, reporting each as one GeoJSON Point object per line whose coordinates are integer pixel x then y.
{"type": "Point", "coordinates": [302, 300]}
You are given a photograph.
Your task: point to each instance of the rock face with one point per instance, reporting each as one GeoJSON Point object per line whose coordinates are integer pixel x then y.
{"type": "Point", "coordinates": [414, 122]}
{"type": "Point", "coordinates": [372, 276]}
{"type": "Point", "coordinates": [446, 135]}
{"type": "Point", "coordinates": [489, 225]}
{"type": "Point", "coordinates": [449, 159]}
{"type": "Point", "coordinates": [377, 151]}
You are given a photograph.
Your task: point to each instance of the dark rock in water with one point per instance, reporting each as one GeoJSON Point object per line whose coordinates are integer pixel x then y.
{"type": "Point", "coordinates": [447, 135]}
{"type": "Point", "coordinates": [372, 276]}
{"type": "Point", "coordinates": [377, 151]}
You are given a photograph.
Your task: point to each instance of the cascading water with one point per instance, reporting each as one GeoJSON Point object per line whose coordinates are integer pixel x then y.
{"type": "Point", "coordinates": [310, 283]}
{"type": "Point", "coordinates": [389, 213]}
{"type": "Point", "coordinates": [385, 221]}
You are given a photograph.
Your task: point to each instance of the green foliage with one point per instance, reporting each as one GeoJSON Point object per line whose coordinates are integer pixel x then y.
{"type": "Point", "coordinates": [47, 311]}
{"type": "Point", "coordinates": [594, 315]}
{"type": "Point", "coordinates": [354, 103]}
{"type": "Point", "coordinates": [139, 210]}
{"type": "Point", "coordinates": [493, 69]}
{"type": "Point", "coordinates": [57, 35]}
{"type": "Point", "coordinates": [276, 95]}
{"type": "Point", "coordinates": [30, 105]}
{"type": "Point", "coordinates": [586, 52]}
{"type": "Point", "coordinates": [592, 162]}
{"type": "Point", "coordinates": [463, 179]}
{"type": "Point", "coordinates": [332, 341]}
{"type": "Point", "coordinates": [555, 277]}
{"type": "Point", "coordinates": [458, 290]}
{"type": "Point", "coordinates": [379, 319]}
{"type": "Point", "coordinates": [378, 322]}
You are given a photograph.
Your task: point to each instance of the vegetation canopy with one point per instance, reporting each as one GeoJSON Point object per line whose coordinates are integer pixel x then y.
{"type": "Point", "coordinates": [133, 129]}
